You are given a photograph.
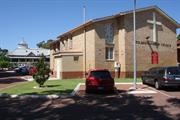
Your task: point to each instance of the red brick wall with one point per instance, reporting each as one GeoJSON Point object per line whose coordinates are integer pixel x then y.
{"type": "Point", "coordinates": [126, 74]}
{"type": "Point", "coordinates": [77, 74]}
{"type": "Point", "coordinates": [80, 74]}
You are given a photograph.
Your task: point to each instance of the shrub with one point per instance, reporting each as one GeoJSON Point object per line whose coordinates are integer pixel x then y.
{"type": "Point", "coordinates": [40, 72]}
{"type": "Point", "coordinates": [4, 64]}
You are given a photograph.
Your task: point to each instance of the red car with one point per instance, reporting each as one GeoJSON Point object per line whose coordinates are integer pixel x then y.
{"type": "Point", "coordinates": [99, 80]}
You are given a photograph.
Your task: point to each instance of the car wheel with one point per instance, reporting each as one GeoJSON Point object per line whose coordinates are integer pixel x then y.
{"type": "Point", "coordinates": [157, 85]}
{"type": "Point", "coordinates": [143, 82]}
{"type": "Point", "coordinates": [88, 91]}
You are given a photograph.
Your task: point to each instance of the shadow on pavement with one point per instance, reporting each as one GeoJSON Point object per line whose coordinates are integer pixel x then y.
{"type": "Point", "coordinates": [51, 92]}
{"type": "Point", "coordinates": [4, 74]}
{"type": "Point", "coordinates": [96, 107]}
{"type": "Point", "coordinates": [9, 80]}
{"type": "Point", "coordinates": [171, 89]}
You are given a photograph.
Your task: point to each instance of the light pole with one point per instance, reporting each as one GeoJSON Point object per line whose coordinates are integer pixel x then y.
{"type": "Point", "coordinates": [84, 20]}
{"type": "Point", "coordinates": [134, 45]}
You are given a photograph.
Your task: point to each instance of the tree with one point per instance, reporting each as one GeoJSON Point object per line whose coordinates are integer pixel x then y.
{"type": "Point", "coordinates": [4, 64]}
{"type": "Point", "coordinates": [4, 60]}
{"type": "Point", "coordinates": [43, 44]}
{"type": "Point", "coordinates": [178, 37]}
{"type": "Point", "coordinates": [3, 52]}
{"type": "Point", "coordinates": [41, 72]}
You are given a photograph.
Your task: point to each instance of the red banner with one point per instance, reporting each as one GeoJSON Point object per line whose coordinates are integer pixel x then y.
{"type": "Point", "coordinates": [154, 58]}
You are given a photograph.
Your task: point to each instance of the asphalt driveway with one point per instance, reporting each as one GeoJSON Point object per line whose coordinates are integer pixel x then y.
{"type": "Point", "coordinates": [117, 106]}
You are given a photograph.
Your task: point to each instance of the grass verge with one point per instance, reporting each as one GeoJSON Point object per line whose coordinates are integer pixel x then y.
{"type": "Point", "coordinates": [62, 87]}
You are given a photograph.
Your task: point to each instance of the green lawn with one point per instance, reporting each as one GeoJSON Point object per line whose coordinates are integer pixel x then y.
{"type": "Point", "coordinates": [62, 87]}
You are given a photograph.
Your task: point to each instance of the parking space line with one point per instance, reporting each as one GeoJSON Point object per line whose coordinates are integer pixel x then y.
{"type": "Point", "coordinates": [162, 93]}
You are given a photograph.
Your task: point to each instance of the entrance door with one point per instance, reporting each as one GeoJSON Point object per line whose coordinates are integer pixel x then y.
{"type": "Point", "coordinates": [59, 65]}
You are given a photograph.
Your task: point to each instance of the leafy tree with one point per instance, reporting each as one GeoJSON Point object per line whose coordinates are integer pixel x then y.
{"type": "Point", "coordinates": [4, 64]}
{"type": "Point", "coordinates": [40, 44]}
{"type": "Point", "coordinates": [178, 37]}
{"type": "Point", "coordinates": [4, 60]}
{"type": "Point", "coordinates": [3, 52]}
{"type": "Point", "coordinates": [41, 72]}
{"type": "Point", "coordinates": [43, 44]}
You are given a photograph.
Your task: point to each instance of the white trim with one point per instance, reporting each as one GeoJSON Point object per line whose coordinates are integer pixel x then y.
{"type": "Point", "coordinates": [76, 89]}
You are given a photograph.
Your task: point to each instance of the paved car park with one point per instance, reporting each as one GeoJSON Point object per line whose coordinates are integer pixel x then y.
{"type": "Point", "coordinates": [125, 105]}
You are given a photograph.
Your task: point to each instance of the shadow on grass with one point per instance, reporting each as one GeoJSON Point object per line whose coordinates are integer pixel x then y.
{"type": "Point", "coordinates": [50, 86]}
{"type": "Point", "coordinates": [50, 92]}
{"type": "Point", "coordinates": [94, 107]}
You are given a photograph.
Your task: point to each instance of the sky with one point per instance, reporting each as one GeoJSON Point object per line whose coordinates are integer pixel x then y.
{"type": "Point", "coordinates": [38, 20]}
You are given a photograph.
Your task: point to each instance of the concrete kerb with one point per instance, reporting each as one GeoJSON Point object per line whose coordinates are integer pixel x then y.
{"type": "Point", "coordinates": [137, 91]}
{"type": "Point", "coordinates": [53, 96]}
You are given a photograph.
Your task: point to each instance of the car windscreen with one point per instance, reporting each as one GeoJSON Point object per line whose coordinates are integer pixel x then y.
{"type": "Point", "coordinates": [100, 74]}
{"type": "Point", "coordinates": [173, 71]}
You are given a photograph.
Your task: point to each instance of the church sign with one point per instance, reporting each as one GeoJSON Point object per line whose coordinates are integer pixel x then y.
{"type": "Point", "coordinates": [153, 43]}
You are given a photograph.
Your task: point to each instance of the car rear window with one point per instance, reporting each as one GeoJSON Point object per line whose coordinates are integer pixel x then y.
{"type": "Point", "coordinates": [161, 72]}
{"type": "Point", "coordinates": [173, 71]}
{"type": "Point", "coordinates": [100, 74]}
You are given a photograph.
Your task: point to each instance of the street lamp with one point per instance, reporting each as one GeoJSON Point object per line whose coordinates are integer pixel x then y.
{"type": "Point", "coordinates": [134, 46]}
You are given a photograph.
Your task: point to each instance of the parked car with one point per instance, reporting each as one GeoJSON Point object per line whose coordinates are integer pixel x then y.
{"type": "Point", "coordinates": [99, 80]}
{"type": "Point", "coordinates": [22, 70]}
{"type": "Point", "coordinates": [162, 76]}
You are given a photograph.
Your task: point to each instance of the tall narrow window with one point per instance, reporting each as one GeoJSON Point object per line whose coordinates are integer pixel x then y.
{"type": "Point", "coordinates": [109, 33]}
{"type": "Point", "coordinates": [70, 43]}
{"type": "Point", "coordinates": [109, 53]}
{"type": "Point", "coordinates": [66, 44]}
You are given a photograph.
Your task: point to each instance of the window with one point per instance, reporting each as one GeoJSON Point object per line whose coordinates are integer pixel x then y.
{"type": "Point", "coordinates": [109, 53]}
{"type": "Point", "coordinates": [76, 58]}
{"type": "Point", "coordinates": [109, 33]}
{"type": "Point", "coordinates": [161, 72]}
{"type": "Point", "coordinates": [173, 71]}
{"type": "Point", "coordinates": [100, 74]}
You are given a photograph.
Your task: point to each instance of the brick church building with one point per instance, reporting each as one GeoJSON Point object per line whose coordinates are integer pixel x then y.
{"type": "Point", "coordinates": [108, 43]}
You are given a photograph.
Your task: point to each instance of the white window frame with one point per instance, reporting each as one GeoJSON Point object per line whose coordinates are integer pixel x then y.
{"type": "Point", "coordinates": [108, 55]}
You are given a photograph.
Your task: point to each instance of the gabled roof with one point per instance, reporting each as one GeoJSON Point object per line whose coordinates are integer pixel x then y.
{"type": "Point", "coordinates": [29, 52]}
{"type": "Point", "coordinates": [117, 15]}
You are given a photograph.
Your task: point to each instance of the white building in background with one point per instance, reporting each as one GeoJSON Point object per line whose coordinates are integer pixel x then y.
{"type": "Point", "coordinates": [23, 55]}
